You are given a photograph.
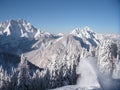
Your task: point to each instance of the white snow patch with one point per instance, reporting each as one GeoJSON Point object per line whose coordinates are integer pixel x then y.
{"type": "Point", "coordinates": [87, 74]}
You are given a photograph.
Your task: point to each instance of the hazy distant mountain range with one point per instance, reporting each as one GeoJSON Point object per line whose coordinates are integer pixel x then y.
{"type": "Point", "coordinates": [31, 59]}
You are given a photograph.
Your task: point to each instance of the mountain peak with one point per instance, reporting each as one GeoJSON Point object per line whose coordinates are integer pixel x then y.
{"type": "Point", "coordinates": [77, 31]}
{"type": "Point", "coordinates": [17, 21]}
{"type": "Point", "coordinates": [18, 28]}
{"type": "Point", "coordinates": [87, 28]}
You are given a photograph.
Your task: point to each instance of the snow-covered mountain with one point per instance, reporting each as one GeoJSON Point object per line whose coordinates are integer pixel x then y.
{"type": "Point", "coordinates": [18, 36]}
{"type": "Point", "coordinates": [87, 35]}
{"type": "Point", "coordinates": [17, 28]}
{"type": "Point", "coordinates": [58, 55]}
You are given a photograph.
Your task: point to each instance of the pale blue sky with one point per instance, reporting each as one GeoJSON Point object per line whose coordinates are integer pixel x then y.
{"type": "Point", "coordinates": [54, 16]}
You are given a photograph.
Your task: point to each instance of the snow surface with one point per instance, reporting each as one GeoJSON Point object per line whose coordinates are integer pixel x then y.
{"type": "Point", "coordinates": [88, 77]}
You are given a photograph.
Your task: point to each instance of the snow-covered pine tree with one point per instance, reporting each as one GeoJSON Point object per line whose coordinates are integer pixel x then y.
{"type": "Point", "coordinates": [107, 56]}
{"type": "Point", "coordinates": [23, 75]}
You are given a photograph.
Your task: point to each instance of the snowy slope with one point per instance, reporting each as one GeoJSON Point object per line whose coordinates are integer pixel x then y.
{"type": "Point", "coordinates": [62, 54]}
